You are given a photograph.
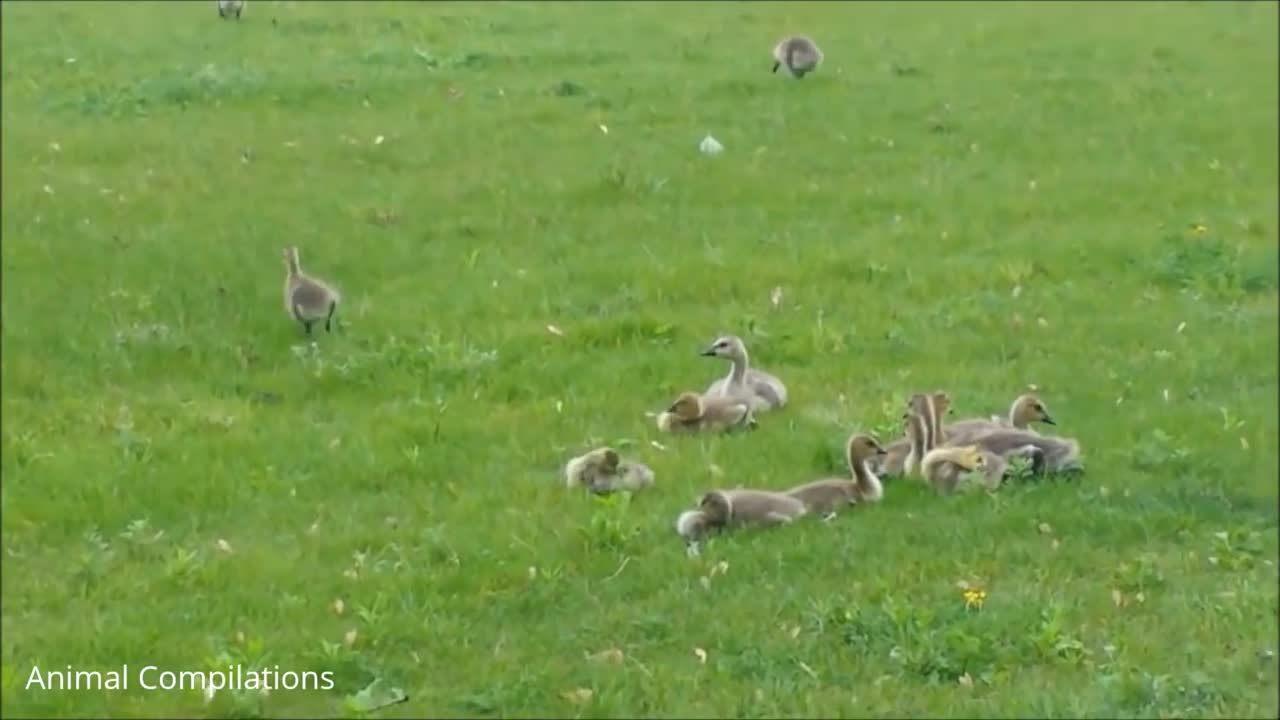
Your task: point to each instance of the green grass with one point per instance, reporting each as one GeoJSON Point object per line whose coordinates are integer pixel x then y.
{"type": "Point", "coordinates": [974, 197]}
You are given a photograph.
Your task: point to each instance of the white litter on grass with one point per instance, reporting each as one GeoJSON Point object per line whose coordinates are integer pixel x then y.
{"type": "Point", "coordinates": [710, 146]}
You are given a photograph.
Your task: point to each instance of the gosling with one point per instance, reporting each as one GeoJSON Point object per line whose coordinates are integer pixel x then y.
{"type": "Point", "coordinates": [694, 413]}
{"type": "Point", "coordinates": [228, 7]}
{"type": "Point", "coordinates": [694, 526]}
{"type": "Point", "coordinates": [741, 507]}
{"type": "Point", "coordinates": [944, 467]}
{"type": "Point", "coordinates": [603, 471]}
{"type": "Point", "coordinates": [764, 391]}
{"type": "Point", "coordinates": [307, 299]}
{"type": "Point", "coordinates": [798, 53]}
{"type": "Point", "coordinates": [826, 497]}
{"type": "Point", "coordinates": [1026, 409]}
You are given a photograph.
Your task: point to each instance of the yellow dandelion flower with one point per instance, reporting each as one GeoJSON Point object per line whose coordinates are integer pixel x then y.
{"type": "Point", "coordinates": [1199, 228]}
{"type": "Point", "coordinates": [973, 598]}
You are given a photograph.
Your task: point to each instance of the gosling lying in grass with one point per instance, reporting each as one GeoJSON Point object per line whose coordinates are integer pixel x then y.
{"type": "Point", "coordinates": [308, 300]}
{"type": "Point", "coordinates": [229, 7]}
{"type": "Point", "coordinates": [798, 54]}
{"type": "Point", "coordinates": [696, 413]}
{"type": "Point", "coordinates": [1026, 409]}
{"type": "Point", "coordinates": [764, 391]}
{"type": "Point", "coordinates": [603, 471]}
{"type": "Point", "coordinates": [826, 497]}
{"type": "Point", "coordinates": [740, 507]}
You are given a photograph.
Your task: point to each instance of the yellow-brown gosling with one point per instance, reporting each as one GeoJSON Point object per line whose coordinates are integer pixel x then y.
{"type": "Point", "coordinates": [603, 471]}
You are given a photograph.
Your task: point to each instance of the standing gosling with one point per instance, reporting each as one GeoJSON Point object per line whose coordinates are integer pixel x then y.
{"type": "Point", "coordinates": [741, 507]}
{"type": "Point", "coordinates": [228, 7]}
{"type": "Point", "coordinates": [764, 391]}
{"type": "Point", "coordinates": [825, 497]}
{"type": "Point", "coordinates": [693, 413]}
{"type": "Point", "coordinates": [603, 471]}
{"type": "Point", "coordinates": [307, 299]}
{"type": "Point", "coordinates": [798, 53]}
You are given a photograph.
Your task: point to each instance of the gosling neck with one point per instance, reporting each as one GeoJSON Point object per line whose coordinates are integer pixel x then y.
{"type": "Point", "coordinates": [869, 486]}
{"type": "Point", "coordinates": [738, 373]}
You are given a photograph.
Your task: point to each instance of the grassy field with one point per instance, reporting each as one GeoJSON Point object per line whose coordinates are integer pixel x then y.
{"type": "Point", "coordinates": [976, 197]}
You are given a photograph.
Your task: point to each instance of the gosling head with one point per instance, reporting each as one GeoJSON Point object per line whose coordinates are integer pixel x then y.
{"type": "Point", "coordinates": [716, 507]}
{"type": "Point", "coordinates": [970, 457]}
{"type": "Point", "coordinates": [727, 346]}
{"type": "Point", "coordinates": [687, 407]}
{"type": "Point", "coordinates": [864, 447]}
{"type": "Point", "coordinates": [1029, 408]}
{"type": "Point", "coordinates": [606, 459]}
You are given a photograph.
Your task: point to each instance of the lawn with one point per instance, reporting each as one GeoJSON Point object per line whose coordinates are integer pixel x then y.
{"type": "Point", "coordinates": [532, 252]}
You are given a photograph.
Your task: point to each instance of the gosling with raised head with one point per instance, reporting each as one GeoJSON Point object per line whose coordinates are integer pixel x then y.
{"type": "Point", "coordinates": [308, 300]}
{"type": "Point", "coordinates": [764, 391]}
{"type": "Point", "coordinates": [826, 497]}
{"type": "Point", "coordinates": [1025, 410]}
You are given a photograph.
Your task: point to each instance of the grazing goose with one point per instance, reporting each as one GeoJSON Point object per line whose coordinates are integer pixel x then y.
{"type": "Point", "coordinates": [825, 497]}
{"type": "Point", "coordinates": [307, 299]}
{"type": "Point", "coordinates": [798, 54]}
{"type": "Point", "coordinates": [764, 391]}
{"type": "Point", "coordinates": [603, 471]}
{"type": "Point", "coordinates": [694, 413]}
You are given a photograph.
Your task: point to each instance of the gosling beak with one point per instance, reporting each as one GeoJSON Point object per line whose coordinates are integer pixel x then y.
{"type": "Point", "coordinates": [1048, 420]}
{"type": "Point", "coordinates": [709, 352]}
{"type": "Point", "coordinates": [881, 451]}
{"type": "Point", "coordinates": [672, 409]}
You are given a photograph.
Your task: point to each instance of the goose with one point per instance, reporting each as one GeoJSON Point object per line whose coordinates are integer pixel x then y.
{"type": "Point", "coordinates": [603, 471]}
{"type": "Point", "coordinates": [799, 54]}
{"type": "Point", "coordinates": [764, 391]}
{"type": "Point", "coordinates": [825, 497]}
{"type": "Point", "coordinates": [308, 300]}
{"type": "Point", "coordinates": [693, 413]}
